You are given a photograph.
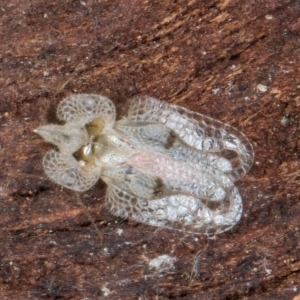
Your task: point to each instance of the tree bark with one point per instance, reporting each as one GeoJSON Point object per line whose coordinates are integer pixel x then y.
{"type": "Point", "coordinates": [233, 60]}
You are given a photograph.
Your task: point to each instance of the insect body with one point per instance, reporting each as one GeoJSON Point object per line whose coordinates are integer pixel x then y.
{"type": "Point", "coordinates": [164, 165]}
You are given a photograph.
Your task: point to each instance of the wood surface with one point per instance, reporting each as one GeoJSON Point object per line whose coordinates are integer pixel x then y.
{"type": "Point", "coordinates": [236, 61]}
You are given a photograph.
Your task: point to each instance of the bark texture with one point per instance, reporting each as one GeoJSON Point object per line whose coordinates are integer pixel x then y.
{"type": "Point", "coordinates": [236, 61]}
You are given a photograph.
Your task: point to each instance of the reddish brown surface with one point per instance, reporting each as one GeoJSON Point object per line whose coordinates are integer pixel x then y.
{"type": "Point", "coordinates": [208, 56]}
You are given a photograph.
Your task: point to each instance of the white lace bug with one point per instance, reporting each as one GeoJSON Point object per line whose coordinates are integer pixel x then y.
{"type": "Point", "coordinates": [164, 165]}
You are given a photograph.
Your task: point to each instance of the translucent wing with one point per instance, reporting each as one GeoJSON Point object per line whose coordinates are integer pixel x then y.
{"type": "Point", "coordinates": [180, 212]}
{"type": "Point", "coordinates": [162, 139]}
{"type": "Point", "coordinates": [84, 108]}
{"type": "Point", "coordinates": [198, 131]}
{"type": "Point", "coordinates": [65, 170]}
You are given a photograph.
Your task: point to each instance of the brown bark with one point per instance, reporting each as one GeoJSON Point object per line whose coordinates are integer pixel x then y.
{"type": "Point", "coordinates": [237, 61]}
